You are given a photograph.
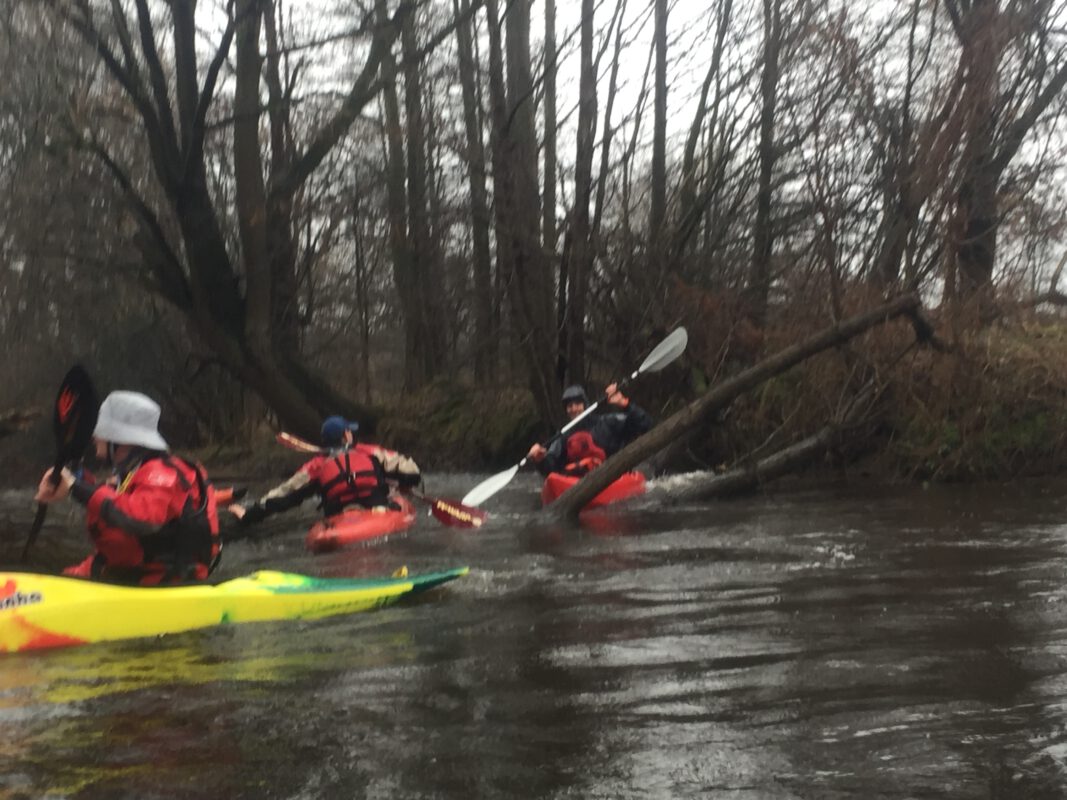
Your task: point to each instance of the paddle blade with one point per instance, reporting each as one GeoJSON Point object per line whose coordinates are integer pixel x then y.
{"type": "Point", "coordinates": [665, 352]}
{"type": "Point", "coordinates": [74, 415]}
{"type": "Point", "coordinates": [490, 486]}
{"type": "Point", "coordinates": [455, 514]}
{"type": "Point", "coordinates": [296, 443]}
{"type": "Point", "coordinates": [73, 420]}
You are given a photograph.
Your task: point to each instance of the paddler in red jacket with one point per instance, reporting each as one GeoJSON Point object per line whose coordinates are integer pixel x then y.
{"type": "Point", "coordinates": [586, 446]}
{"type": "Point", "coordinates": [155, 521]}
{"type": "Point", "coordinates": [345, 474]}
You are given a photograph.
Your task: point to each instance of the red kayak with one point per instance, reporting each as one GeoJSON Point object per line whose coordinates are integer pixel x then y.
{"type": "Point", "coordinates": [360, 525]}
{"type": "Point", "coordinates": [629, 484]}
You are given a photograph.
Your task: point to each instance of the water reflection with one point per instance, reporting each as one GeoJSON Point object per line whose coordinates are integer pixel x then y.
{"type": "Point", "coordinates": [126, 714]}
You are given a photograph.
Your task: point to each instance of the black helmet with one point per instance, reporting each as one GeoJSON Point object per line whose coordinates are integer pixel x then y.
{"type": "Point", "coordinates": [575, 394]}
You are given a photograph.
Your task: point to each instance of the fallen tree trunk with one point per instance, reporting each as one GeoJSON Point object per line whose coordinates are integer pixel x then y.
{"type": "Point", "coordinates": [752, 475]}
{"type": "Point", "coordinates": [703, 408]}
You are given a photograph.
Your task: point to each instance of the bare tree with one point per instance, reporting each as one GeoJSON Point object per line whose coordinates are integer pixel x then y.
{"type": "Point", "coordinates": [249, 329]}
{"type": "Point", "coordinates": [759, 282]}
{"type": "Point", "coordinates": [428, 353]}
{"type": "Point", "coordinates": [579, 249]}
{"type": "Point", "coordinates": [1012, 76]}
{"type": "Point", "coordinates": [485, 343]}
{"type": "Point", "coordinates": [517, 199]}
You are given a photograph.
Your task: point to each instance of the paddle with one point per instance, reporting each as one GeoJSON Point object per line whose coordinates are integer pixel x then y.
{"type": "Point", "coordinates": [446, 511]}
{"type": "Point", "coordinates": [664, 353]}
{"type": "Point", "coordinates": [231, 494]}
{"type": "Point", "coordinates": [73, 420]}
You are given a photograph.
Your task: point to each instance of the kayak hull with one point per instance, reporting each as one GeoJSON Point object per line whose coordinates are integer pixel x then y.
{"type": "Point", "coordinates": [43, 611]}
{"type": "Point", "coordinates": [629, 484]}
{"type": "Point", "coordinates": [359, 525]}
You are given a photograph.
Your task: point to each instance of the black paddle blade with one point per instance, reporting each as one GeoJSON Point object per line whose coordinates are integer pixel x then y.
{"type": "Point", "coordinates": [73, 420]}
{"type": "Point", "coordinates": [74, 416]}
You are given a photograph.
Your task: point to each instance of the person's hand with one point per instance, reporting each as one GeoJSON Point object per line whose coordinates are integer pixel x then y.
{"type": "Point", "coordinates": [615, 397]}
{"type": "Point", "coordinates": [47, 493]}
{"type": "Point", "coordinates": [536, 454]}
{"type": "Point", "coordinates": [237, 510]}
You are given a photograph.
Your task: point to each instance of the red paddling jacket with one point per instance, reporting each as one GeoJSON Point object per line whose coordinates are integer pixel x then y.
{"type": "Point", "coordinates": [159, 525]}
{"type": "Point", "coordinates": [357, 475]}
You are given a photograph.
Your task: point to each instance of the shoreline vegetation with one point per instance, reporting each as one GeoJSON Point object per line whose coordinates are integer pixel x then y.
{"type": "Point", "coordinates": [981, 406]}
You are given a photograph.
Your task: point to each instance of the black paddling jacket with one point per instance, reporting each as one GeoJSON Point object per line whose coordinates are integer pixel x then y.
{"type": "Point", "coordinates": [610, 431]}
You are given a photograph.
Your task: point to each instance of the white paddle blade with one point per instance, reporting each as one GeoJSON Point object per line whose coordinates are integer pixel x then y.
{"type": "Point", "coordinates": [666, 352]}
{"type": "Point", "coordinates": [490, 486]}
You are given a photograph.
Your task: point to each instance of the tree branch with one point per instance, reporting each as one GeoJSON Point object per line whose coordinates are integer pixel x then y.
{"type": "Point", "coordinates": [167, 267]}
{"type": "Point", "coordinates": [157, 79]}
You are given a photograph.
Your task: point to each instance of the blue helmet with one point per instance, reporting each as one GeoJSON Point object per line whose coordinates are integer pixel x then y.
{"type": "Point", "coordinates": [333, 430]}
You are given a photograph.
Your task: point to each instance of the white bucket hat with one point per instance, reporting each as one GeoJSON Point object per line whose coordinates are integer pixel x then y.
{"type": "Point", "coordinates": [130, 418]}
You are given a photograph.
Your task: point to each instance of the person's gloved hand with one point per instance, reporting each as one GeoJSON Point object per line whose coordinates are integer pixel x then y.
{"type": "Point", "coordinates": [615, 397]}
{"type": "Point", "coordinates": [49, 493]}
{"type": "Point", "coordinates": [247, 515]}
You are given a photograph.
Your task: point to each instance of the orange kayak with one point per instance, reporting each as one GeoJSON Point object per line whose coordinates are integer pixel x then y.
{"type": "Point", "coordinates": [359, 525]}
{"type": "Point", "coordinates": [629, 484]}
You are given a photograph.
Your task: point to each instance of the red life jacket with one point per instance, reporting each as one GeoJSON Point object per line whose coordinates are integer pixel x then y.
{"type": "Point", "coordinates": [161, 526]}
{"type": "Point", "coordinates": [349, 477]}
{"type": "Point", "coordinates": [583, 454]}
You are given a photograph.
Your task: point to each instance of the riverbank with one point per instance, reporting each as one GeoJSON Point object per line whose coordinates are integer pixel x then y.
{"type": "Point", "coordinates": [989, 406]}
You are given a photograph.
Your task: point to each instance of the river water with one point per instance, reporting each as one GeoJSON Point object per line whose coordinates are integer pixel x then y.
{"type": "Point", "coordinates": [843, 643]}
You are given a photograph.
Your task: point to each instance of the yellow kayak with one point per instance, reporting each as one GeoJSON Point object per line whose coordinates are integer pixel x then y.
{"type": "Point", "coordinates": [40, 611]}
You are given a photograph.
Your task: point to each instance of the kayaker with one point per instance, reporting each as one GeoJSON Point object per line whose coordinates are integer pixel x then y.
{"type": "Point", "coordinates": [345, 474]}
{"type": "Point", "coordinates": [156, 520]}
{"type": "Point", "coordinates": [595, 438]}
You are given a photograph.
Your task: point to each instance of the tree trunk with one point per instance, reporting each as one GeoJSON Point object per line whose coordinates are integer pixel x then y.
{"type": "Point", "coordinates": [429, 354]}
{"type": "Point", "coordinates": [548, 203]}
{"type": "Point", "coordinates": [281, 241]}
{"type": "Point", "coordinates": [977, 196]}
{"type": "Point", "coordinates": [362, 292]}
{"type": "Point", "coordinates": [549, 231]}
{"type": "Point", "coordinates": [609, 129]}
{"type": "Point", "coordinates": [580, 253]}
{"type": "Point", "coordinates": [400, 245]}
{"type": "Point", "coordinates": [518, 222]}
{"type": "Point", "coordinates": [484, 342]}
{"type": "Point", "coordinates": [759, 280]}
{"type": "Point", "coordinates": [658, 203]}
{"type": "Point", "coordinates": [498, 118]}
{"type": "Point", "coordinates": [719, 397]}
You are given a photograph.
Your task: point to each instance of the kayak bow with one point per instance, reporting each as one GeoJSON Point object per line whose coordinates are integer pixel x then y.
{"type": "Point", "coordinates": [41, 611]}
{"type": "Point", "coordinates": [359, 525]}
{"type": "Point", "coordinates": [629, 484]}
